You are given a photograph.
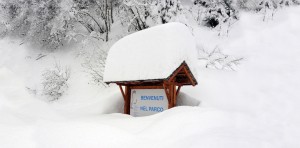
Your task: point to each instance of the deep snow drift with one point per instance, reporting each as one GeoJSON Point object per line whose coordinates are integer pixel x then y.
{"type": "Point", "coordinates": [255, 106]}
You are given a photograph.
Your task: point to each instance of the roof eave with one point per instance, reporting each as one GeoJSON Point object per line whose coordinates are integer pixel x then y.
{"type": "Point", "coordinates": [183, 64]}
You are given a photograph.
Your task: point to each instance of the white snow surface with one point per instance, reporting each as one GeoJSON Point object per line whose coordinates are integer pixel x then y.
{"type": "Point", "coordinates": [256, 106]}
{"type": "Point", "coordinates": [153, 53]}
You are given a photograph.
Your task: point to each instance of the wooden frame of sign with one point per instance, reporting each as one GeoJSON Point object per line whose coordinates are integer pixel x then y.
{"type": "Point", "coordinates": [172, 84]}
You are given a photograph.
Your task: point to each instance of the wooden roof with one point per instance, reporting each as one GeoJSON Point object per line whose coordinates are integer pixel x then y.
{"type": "Point", "coordinates": [181, 76]}
{"type": "Point", "coordinates": [151, 54]}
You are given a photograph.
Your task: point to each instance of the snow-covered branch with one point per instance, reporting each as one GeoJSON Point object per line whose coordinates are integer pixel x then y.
{"type": "Point", "coordinates": [218, 60]}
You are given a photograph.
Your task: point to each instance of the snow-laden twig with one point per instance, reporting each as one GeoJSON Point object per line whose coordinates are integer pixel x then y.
{"type": "Point", "coordinates": [218, 60]}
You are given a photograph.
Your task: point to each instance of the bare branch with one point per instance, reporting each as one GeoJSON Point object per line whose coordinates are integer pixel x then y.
{"type": "Point", "coordinates": [217, 59]}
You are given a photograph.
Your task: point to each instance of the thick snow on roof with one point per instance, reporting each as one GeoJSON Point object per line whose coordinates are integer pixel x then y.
{"type": "Point", "coordinates": [153, 53]}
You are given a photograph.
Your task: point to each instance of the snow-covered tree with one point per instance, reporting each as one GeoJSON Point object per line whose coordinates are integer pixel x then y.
{"type": "Point", "coordinates": [95, 15]}
{"type": "Point", "coordinates": [135, 14]}
{"type": "Point", "coordinates": [41, 22]}
{"type": "Point", "coordinates": [15, 15]}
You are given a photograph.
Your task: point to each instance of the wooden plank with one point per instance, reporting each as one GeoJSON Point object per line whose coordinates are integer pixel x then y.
{"type": "Point", "coordinates": [147, 87]}
{"type": "Point", "coordinates": [123, 94]}
{"type": "Point", "coordinates": [138, 82]}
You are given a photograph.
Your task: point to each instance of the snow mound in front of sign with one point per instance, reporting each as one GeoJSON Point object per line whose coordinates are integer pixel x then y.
{"type": "Point", "coordinates": [153, 53]}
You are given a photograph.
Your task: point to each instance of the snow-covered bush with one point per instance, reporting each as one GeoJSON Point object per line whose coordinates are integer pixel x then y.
{"type": "Point", "coordinates": [55, 81]}
{"type": "Point", "coordinates": [168, 10]}
{"type": "Point", "coordinates": [269, 7]}
{"type": "Point", "coordinates": [216, 59]}
{"type": "Point", "coordinates": [262, 5]}
{"type": "Point", "coordinates": [93, 60]}
{"type": "Point", "coordinates": [141, 14]}
{"type": "Point", "coordinates": [94, 65]}
{"type": "Point", "coordinates": [213, 13]}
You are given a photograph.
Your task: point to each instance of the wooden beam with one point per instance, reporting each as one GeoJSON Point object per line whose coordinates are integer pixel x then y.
{"type": "Point", "coordinates": [176, 72]}
{"type": "Point", "coordinates": [147, 87]}
{"type": "Point", "coordinates": [180, 84]}
{"type": "Point", "coordinates": [189, 76]}
{"type": "Point", "coordinates": [138, 82]}
{"type": "Point", "coordinates": [123, 94]}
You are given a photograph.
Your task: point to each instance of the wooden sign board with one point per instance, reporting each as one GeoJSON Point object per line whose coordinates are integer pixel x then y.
{"type": "Point", "coordinates": [147, 102]}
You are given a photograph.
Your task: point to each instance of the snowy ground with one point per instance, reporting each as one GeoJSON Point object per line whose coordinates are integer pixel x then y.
{"type": "Point", "coordinates": [255, 106]}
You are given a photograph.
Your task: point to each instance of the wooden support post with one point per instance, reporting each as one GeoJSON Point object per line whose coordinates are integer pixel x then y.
{"type": "Point", "coordinates": [123, 94]}
{"type": "Point", "coordinates": [178, 89]}
{"type": "Point", "coordinates": [127, 100]}
{"type": "Point", "coordinates": [171, 97]}
{"type": "Point", "coordinates": [167, 91]}
{"type": "Point", "coordinates": [176, 92]}
{"type": "Point", "coordinates": [189, 76]}
{"type": "Point", "coordinates": [171, 93]}
{"type": "Point", "coordinates": [174, 96]}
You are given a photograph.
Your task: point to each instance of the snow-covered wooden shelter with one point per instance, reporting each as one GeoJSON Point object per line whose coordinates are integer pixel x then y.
{"type": "Point", "coordinates": [158, 58]}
